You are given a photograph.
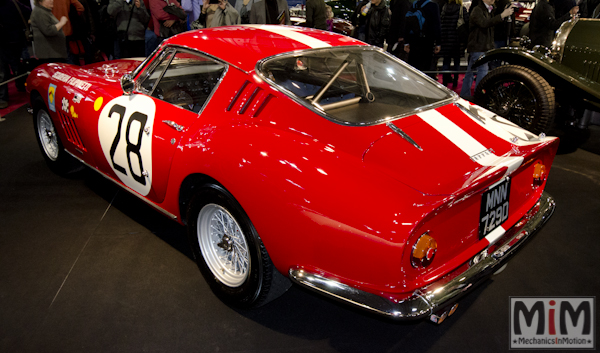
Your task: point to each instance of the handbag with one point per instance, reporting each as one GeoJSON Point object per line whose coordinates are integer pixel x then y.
{"type": "Point", "coordinates": [27, 30]}
{"type": "Point", "coordinates": [174, 10]}
{"type": "Point", "coordinates": [176, 28]}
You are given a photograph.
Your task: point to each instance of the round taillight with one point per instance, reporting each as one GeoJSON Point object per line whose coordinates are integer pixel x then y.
{"type": "Point", "coordinates": [539, 174]}
{"type": "Point", "coordinates": [423, 251]}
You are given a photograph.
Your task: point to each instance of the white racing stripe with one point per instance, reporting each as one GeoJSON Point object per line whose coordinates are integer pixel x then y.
{"type": "Point", "coordinates": [290, 33]}
{"type": "Point", "coordinates": [468, 144]}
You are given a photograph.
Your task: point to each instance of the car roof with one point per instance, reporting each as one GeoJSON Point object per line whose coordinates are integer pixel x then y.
{"type": "Point", "coordinates": [244, 45]}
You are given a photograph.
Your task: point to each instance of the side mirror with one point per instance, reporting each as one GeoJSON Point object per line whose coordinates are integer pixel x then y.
{"type": "Point", "coordinates": [127, 84]}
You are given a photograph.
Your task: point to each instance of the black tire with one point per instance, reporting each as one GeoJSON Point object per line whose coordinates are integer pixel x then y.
{"type": "Point", "coordinates": [257, 281]}
{"type": "Point", "coordinates": [520, 95]}
{"type": "Point", "coordinates": [57, 159]}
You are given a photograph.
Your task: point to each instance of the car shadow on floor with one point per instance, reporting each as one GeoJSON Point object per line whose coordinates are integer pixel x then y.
{"type": "Point", "coordinates": [140, 212]}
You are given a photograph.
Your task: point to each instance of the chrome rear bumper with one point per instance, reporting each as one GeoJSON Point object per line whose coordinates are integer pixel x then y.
{"type": "Point", "coordinates": [439, 295]}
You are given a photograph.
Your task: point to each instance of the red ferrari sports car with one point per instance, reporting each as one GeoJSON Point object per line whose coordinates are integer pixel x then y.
{"type": "Point", "coordinates": [303, 155]}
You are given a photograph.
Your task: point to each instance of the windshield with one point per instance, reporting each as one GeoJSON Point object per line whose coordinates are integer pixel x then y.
{"type": "Point", "coordinates": [353, 85]}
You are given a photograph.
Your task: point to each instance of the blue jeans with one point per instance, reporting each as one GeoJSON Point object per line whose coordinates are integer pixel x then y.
{"type": "Point", "coordinates": [482, 70]}
{"type": "Point", "coordinates": [152, 41]}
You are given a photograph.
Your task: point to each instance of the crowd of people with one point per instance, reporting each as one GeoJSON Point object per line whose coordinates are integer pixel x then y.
{"type": "Point", "coordinates": [419, 32]}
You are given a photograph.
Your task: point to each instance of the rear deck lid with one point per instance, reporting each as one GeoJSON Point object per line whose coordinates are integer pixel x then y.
{"type": "Point", "coordinates": [442, 152]}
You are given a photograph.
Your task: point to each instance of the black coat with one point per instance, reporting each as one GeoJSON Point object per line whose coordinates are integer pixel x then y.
{"type": "Point", "coordinates": [316, 16]}
{"type": "Point", "coordinates": [450, 43]}
{"type": "Point", "coordinates": [481, 29]}
{"type": "Point", "coordinates": [378, 24]}
{"type": "Point", "coordinates": [502, 29]}
{"type": "Point", "coordinates": [11, 25]}
{"type": "Point", "coordinates": [399, 9]}
{"type": "Point", "coordinates": [543, 24]}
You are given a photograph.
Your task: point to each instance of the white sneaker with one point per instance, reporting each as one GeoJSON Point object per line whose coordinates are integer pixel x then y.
{"type": "Point", "coordinates": [2, 119]}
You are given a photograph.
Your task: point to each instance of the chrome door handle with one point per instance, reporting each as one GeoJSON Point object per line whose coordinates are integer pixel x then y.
{"type": "Point", "coordinates": [174, 125]}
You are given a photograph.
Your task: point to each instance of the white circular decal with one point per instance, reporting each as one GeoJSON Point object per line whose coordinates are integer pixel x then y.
{"type": "Point", "coordinates": [125, 132]}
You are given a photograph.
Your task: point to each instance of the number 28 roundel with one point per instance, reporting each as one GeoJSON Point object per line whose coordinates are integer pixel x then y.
{"type": "Point", "coordinates": [125, 132]}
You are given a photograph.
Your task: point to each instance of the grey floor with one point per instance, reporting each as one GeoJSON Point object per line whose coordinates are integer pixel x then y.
{"type": "Point", "coordinates": [85, 267]}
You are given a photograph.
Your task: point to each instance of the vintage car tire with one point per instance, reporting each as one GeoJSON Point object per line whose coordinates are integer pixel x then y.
{"type": "Point", "coordinates": [253, 286]}
{"type": "Point", "coordinates": [520, 95]}
{"type": "Point", "coordinates": [57, 159]}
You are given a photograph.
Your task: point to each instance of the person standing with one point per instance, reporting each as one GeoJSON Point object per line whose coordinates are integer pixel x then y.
{"type": "Point", "coordinates": [13, 40]}
{"type": "Point", "coordinates": [167, 20]}
{"type": "Point", "coordinates": [193, 9]}
{"type": "Point", "coordinates": [132, 18]}
{"type": "Point", "coordinates": [225, 15]}
{"type": "Point", "coordinates": [359, 19]}
{"type": "Point", "coordinates": [422, 47]}
{"type": "Point", "coordinates": [481, 39]}
{"type": "Point", "coordinates": [453, 47]}
{"type": "Point", "coordinates": [61, 8]}
{"type": "Point", "coordinates": [396, 36]}
{"type": "Point", "coordinates": [377, 27]}
{"type": "Point", "coordinates": [243, 7]}
{"type": "Point", "coordinates": [543, 23]}
{"type": "Point", "coordinates": [329, 17]}
{"type": "Point", "coordinates": [49, 40]}
{"type": "Point", "coordinates": [272, 12]}
{"type": "Point", "coordinates": [316, 14]}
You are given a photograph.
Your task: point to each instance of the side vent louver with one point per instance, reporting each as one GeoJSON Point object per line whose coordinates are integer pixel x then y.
{"type": "Point", "coordinates": [249, 99]}
{"type": "Point", "coordinates": [71, 130]}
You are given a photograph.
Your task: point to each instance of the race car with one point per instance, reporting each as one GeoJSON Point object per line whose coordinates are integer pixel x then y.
{"type": "Point", "coordinates": [295, 155]}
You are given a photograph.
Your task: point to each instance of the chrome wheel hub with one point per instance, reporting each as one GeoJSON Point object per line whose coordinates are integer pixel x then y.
{"type": "Point", "coordinates": [47, 135]}
{"type": "Point", "coordinates": [223, 245]}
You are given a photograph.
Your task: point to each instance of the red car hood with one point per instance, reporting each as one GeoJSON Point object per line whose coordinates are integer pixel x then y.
{"type": "Point", "coordinates": [448, 155]}
{"type": "Point", "coordinates": [113, 69]}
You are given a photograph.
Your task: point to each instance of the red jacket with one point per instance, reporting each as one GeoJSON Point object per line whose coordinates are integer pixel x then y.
{"type": "Point", "coordinates": [158, 14]}
{"type": "Point", "coordinates": [61, 8]}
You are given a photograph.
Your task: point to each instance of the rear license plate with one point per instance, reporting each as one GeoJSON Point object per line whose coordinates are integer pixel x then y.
{"type": "Point", "coordinates": [494, 207]}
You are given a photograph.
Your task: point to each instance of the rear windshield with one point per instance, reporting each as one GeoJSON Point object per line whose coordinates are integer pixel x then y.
{"type": "Point", "coordinates": [353, 85]}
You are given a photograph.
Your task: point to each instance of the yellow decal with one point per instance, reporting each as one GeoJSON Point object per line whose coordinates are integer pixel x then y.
{"type": "Point", "coordinates": [51, 94]}
{"type": "Point", "coordinates": [73, 114]}
{"type": "Point", "coordinates": [98, 103]}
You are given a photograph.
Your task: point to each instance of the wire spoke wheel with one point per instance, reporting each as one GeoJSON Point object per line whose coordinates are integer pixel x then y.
{"type": "Point", "coordinates": [228, 250]}
{"type": "Point", "coordinates": [47, 135]}
{"type": "Point", "coordinates": [223, 245]}
{"type": "Point", "coordinates": [520, 95]}
{"type": "Point", "coordinates": [512, 99]}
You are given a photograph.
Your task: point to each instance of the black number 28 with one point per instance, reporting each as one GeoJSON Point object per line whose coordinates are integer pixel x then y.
{"type": "Point", "coordinates": [131, 148]}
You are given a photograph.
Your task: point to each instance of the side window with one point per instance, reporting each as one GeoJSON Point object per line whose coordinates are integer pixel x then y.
{"type": "Point", "coordinates": [153, 73]}
{"type": "Point", "coordinates": [189, 80]}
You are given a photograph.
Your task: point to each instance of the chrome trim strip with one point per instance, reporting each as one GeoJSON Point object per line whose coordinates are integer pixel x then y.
{"type": "Point", "coordinates": [161, 210]}
{"type": "Point", "coordinates": [437, 296]}
{"type": "Point", "coordinates": [403, 134]}
{"type": "Point", "coordinates": [560, 39]}
{"type": "Point", "coordinates": [174, 125]}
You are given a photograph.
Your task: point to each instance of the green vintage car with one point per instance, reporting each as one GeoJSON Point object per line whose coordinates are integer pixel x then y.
{"type": "Point", "coordinates": [541, 85]}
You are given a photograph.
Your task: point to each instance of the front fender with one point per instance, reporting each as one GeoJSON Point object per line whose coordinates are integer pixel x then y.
{"type": "Point", "coordinates": [551, 70]}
